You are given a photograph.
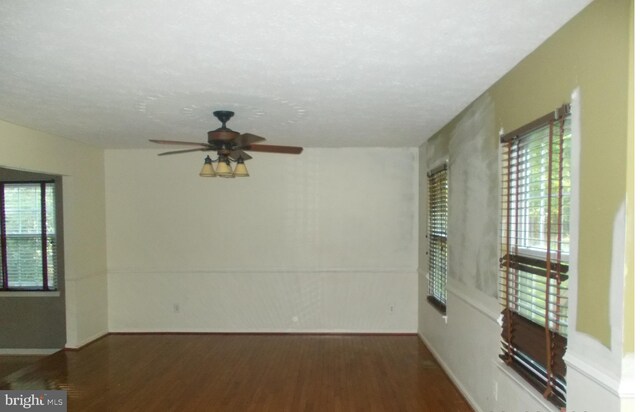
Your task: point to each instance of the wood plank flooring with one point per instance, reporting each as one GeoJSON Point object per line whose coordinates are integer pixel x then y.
{"type": "Point", "coordinates": [13, 363]}
{"type": "Point", "coordinates": [246, 372]}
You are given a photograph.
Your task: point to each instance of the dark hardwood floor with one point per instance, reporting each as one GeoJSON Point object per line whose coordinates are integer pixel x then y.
{"type": "Point", "coordinates": [246, 373]}
{"type": "Point", "coordinates": [13, 363]}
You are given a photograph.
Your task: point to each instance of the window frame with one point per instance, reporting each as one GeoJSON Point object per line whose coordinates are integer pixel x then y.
{"type": "Point", "coordinates": [523, 336]}
{"type": "Point", "coordinates": [437, 243]}
{"type": "Point", "coordinates": [52, 277]}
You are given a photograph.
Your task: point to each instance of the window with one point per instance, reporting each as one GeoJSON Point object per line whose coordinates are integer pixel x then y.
{"type": "Point", "coordinates": [28, 240]}
{"type": "Point", "coordinates": [437, 235]}
{"type": "Point", "coordinates": [534, 267]}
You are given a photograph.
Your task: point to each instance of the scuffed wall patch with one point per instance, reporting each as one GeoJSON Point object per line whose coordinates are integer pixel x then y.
{"type": "Point", "coordinates": [474, 198]}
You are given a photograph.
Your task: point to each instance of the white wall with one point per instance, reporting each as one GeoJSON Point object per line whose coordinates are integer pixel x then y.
{"type": "Point", "coordinates": [325, 241]}
{"type": "Point", "coordinates": [82, 168]}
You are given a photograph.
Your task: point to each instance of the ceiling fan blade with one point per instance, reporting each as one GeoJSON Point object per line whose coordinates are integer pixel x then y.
{"type": "Point", "coordinates": [246, 139]}
{"type": "Point", "coordinates": [274, 149]}
{"type": "Point", "coordinates": [179, 142]}
{"type": "Point", "coordinates": [239, 154]}
{"type": "Point", "coordinates": [203, 149]}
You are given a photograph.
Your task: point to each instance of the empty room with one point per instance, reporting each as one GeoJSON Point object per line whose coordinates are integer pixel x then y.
{"type": "Point", "coordinates": [317, 206]}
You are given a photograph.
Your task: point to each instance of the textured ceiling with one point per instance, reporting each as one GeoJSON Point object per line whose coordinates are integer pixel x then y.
{"type": "Point", "coordinates": [309, 73]}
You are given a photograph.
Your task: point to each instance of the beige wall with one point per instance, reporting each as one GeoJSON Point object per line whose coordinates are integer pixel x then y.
{"type": "Point", "coordinates": [587, 63]}
{"type": "Point", "coordinates": [82, 168]}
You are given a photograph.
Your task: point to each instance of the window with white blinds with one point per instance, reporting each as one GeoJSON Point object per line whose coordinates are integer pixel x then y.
{"type": "Point", "coordinates": [536, 187]}
{"type": "Point", "coordinates": [28, 242]}
{"type": "Point", "coordinates": [437, 235]}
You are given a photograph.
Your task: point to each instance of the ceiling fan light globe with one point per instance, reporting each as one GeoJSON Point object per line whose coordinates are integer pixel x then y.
{"type": "Point", "coordinates": [207, 169]}
{"type": "Point", "coordinates": [224, 169]}
{"type": "Point", "coordinates": [241, 170]}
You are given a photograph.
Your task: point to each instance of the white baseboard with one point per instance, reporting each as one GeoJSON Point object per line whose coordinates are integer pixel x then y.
{"type": "Point", "coordinates": [28, 351]}
{"type": "Point", "coordinates": [269, 331]}
{"type": "Point", "coordinates": [86, 341]}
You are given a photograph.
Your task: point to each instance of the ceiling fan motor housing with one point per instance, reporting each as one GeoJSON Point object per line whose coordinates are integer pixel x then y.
{"type": "Point", "coordinates": [221, 135]}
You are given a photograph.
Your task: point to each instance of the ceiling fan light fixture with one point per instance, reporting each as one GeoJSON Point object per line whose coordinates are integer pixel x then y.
{"type": "Point", "coordinates": [230, 147]}
{"type": "Point", "coordinates": [224, 168]}
{"type": "Point", "coordinates": [241, 169]}
{"type": "Point", "coordinates": [207, 168]}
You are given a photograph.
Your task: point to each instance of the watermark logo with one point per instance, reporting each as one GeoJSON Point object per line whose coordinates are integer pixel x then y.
{"type": "Point", "coordinates": [36, 400]}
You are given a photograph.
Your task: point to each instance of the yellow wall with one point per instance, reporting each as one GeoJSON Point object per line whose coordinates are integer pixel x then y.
{"type": "Point", "coordinates": [629, 334]}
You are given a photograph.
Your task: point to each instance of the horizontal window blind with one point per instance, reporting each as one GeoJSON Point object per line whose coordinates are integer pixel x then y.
{"type": "Point", "coordinates": [437, 235]}
{"type": "Point", "coordinates": [536, 188]}
{"type": "Point", "coordinates": [28, 243]}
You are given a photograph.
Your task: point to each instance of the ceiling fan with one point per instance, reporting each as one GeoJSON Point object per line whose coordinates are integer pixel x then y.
{"type": "Point", "coordinates": [230, 147]}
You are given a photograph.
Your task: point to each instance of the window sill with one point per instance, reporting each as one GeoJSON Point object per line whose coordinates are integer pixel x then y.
{"type": "Point", "coordinates": [29, 294]}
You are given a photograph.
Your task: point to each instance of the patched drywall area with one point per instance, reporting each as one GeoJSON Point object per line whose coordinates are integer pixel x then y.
{"type": "Point", "coordinates": [471, 148]}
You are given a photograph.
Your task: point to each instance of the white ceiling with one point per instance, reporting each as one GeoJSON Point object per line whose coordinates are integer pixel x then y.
{"type": "Point", "coordinates": [299, 72]}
